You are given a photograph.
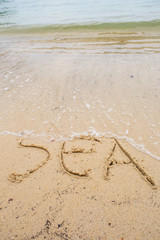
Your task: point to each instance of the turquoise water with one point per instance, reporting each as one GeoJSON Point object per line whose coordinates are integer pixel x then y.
{"type": "Point", "coordinates": [78, 12]}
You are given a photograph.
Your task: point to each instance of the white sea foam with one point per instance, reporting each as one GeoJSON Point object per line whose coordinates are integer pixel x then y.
{"type": "Point", "coordinates": [92, 120]}
{"type": "Point", "coordinates": [27, 80]}
{"type": "Point", "coordinates": [110, 110]}
{"type": "Point", "coordinates": [126, 132]}
{"type": "Point", "coordinates": [87, 105]}
{"type": "Point", "coordinates": [91, 131]}
{"type": "Point", "coordinates": [24, 133]}
{"type": "Point", "coordinates": [131, 141]}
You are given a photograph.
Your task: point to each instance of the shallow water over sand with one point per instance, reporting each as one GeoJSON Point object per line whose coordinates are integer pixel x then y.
{"type": "Point", "coordinates": [56, 87]}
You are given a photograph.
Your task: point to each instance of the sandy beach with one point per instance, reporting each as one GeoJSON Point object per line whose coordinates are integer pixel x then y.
{"type": "Point", "coordinates": [79, 134]}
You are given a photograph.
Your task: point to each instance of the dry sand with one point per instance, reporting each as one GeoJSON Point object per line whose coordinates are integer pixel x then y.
{"type": "Point", "coordinates": [79, 141]}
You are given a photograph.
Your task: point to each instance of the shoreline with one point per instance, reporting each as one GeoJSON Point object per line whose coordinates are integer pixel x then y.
{"type": "Point", "coordinates": [90, 27]}
{"type": "Point", "coordinates": [26, 134]}
{"type": "Point", "coordinates": [119, 93]}
{"type": "Point", "coordinates": [89, 186]}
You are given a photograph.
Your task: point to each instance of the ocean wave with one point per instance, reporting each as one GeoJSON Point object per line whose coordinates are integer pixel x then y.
{"type": "Point", "coordinates": [89, 132]}
{"type": "Point", "coordinates": [93, 26]}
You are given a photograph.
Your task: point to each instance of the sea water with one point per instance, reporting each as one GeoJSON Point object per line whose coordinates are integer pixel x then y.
{"type": "Point", "coordinates": [104, 81]}
{"type": "Point", "coordinates": [74, 12]}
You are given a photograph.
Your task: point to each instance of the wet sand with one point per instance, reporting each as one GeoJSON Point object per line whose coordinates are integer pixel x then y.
{"type": "Point", "coordinates": [79, 133]}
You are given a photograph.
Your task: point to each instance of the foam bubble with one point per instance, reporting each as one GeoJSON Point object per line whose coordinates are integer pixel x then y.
{"type": "Point", "coordinates": [91, 131]}
{"type": "Point", "coordinates": [87, 105]}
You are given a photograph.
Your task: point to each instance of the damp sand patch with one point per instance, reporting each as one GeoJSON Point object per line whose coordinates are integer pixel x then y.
{"type": "Point", "coordinates": [84, 151]}
{"type": "Point", "coordinates": [18, 177]}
